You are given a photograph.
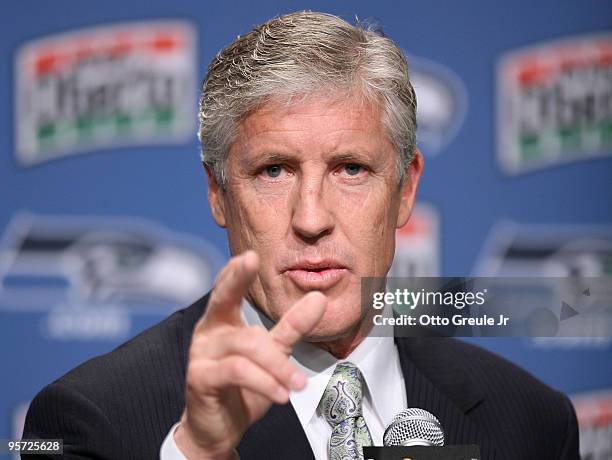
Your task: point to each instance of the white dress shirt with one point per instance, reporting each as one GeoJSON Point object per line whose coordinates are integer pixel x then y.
{"type": "Point", "coordinates": [384, 393]}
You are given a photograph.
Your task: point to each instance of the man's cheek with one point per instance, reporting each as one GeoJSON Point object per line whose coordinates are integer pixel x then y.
{"type": "Point", "coordinates": [351, 198]}
{"type": "Point", "coordinates": [365, 202]}
{"type": "Point", "coordinates": [374, 250]}
{"type": "Point", "coordinates": [263, 217]}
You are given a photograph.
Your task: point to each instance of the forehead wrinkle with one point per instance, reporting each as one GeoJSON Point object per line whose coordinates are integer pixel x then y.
{"type": "Point", "coordinates": [273, 133]}
{"type": "Point", "coordinates": [271, 116]}
{"type": "Point", "coordinates": [252, 135]}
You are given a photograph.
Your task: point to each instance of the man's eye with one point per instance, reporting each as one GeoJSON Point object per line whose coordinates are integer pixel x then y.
{"type": "Point", "coordinates": [273, 170]}
{"type": "Point", "coordinates": [352, 169]}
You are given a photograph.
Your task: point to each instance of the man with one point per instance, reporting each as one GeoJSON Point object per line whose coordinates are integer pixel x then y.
{"type": "Point", "coordinates": [308, 129]}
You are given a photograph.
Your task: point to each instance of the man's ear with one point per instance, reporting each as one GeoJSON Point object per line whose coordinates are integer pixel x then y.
{"type": "Point", "coordinates": [215, 198]}
{"type": "Point", "coordinates": [409, 187]}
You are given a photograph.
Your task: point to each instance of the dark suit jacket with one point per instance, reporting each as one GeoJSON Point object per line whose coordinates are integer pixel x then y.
{"type": "Point", "coordinates": [121, 405]}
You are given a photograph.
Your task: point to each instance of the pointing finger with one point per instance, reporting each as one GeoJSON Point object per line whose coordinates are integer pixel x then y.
{"type": "Point", "coordinates": [231, 286]}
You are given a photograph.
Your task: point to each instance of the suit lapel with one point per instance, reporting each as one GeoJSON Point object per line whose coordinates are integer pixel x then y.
{"type": "Point", "coordinates": [278, 435]}
{"type": "Point", "coordinates": [436, 382]}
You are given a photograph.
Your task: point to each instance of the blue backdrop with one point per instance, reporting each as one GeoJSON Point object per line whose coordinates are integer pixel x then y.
{"type": "Point", "coordinates": [137, 209]}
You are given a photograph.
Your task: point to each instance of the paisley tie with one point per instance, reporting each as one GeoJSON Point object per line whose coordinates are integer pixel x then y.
{"type": "Point", "coordinates": [341, 407]}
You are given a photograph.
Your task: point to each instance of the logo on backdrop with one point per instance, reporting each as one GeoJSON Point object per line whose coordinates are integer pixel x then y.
{"type": "Point", "coordinates": [125, 84]}
{"type": "Point", "coordinates": [90, 275]}
{"type": "Point", "coordinates": [417, 245]}
{"type": "Point", "coordinates": [542, 250]}
{"type": "Point", "coordinates": [442, 103]}
{"type": "Point", "coordinates": [553, 103]}
{"type": "Point", "coordinates": [574, 252]}
{"type": "Point", "coordinates": [594, 414]}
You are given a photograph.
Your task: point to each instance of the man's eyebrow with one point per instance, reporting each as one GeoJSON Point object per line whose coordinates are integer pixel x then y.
{"type": "Point", "coordinates": [257, 160]}
{"type": "Point", "coordinates": [348, 157]}
{"type": "Point", "coordinates": [267, 158]}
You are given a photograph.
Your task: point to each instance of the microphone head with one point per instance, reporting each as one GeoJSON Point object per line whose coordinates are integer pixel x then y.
{"type": "Point", "coordinates": [414, 427]}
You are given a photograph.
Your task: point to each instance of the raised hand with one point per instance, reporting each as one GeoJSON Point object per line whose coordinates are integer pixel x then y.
{"type": "Point", "coordinates": [235, 372]}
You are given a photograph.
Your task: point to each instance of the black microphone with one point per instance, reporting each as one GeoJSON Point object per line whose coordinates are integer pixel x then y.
{"type": "Point", "coordinates": [414, 427]}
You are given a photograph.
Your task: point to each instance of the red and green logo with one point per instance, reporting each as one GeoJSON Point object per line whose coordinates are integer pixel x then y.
{"type": "Point", "coordinates": [104, 87]}
{"type": "Point", "coordinates": [555, 103]}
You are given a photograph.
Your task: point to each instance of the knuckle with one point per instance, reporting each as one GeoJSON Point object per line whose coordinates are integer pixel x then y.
{"type": "Point", "coordinates": [219, 296]}
{"type": "Point", "coordinates": [287, 369]}
{"type": "Point", "coordinates": [238, 369]}
{"type": "Point", "coordinates": [196, 377]}
{"type": "Point", "coordinates": [199, 342]}
{"type": "Point", "coordinates": [286, 349]}
{"type": "Point", "coordinates": [194, 351]}
{"type": "Point", "coordinates": [202, 345]}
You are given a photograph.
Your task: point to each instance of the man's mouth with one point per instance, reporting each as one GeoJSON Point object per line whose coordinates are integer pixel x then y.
{"type": "Point", "coordinates": [316, 275]}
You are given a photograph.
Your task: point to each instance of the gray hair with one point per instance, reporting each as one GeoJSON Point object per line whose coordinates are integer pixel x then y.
{"type": "Point", "coordinates": [298, 54]}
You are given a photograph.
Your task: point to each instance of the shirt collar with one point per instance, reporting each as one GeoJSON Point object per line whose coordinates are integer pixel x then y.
{"type": "Point", "coordinates": [372, 357]}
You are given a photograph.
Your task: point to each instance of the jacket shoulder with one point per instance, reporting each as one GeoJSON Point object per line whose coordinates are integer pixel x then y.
{"type": "Point", "coordinates": [495, 375]}
{"type": "Point", "coordinates": [154, 357]}
{"type": "Point", "coordinates": [133, 393]}
{"type": "Point", "coordinates": [517, 408]}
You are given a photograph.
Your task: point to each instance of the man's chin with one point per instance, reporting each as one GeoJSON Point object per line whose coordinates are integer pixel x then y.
{"type": "Point", "coordinates": [338, 342]}
{"type": "Point", "coordinates": [329, 330]}
{"type": "Point", "coordinates": [327, 336]}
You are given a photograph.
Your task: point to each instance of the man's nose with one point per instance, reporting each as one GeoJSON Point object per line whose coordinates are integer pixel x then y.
{"type": "Point", "coordinates": [312, 218]}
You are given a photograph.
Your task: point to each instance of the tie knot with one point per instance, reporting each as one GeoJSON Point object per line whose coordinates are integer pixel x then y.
{"type": "Point", "coordinates": [343, 395]}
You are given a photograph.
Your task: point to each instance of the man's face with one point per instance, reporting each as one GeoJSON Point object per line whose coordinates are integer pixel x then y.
{"type": "Point", "coordinates": [313, 189]}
